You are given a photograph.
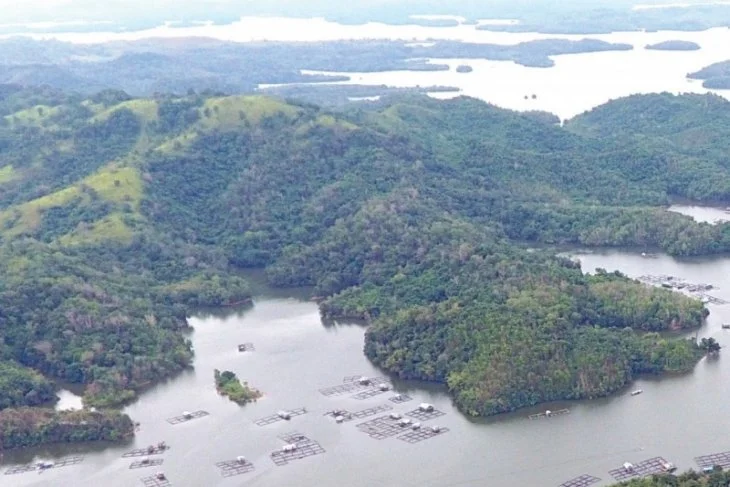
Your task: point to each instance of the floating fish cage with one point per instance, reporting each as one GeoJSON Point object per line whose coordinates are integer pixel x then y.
{"type": "Point", "coordinates": [246, 347]}
{"type": "Point", "coordinates": [231, 468]}
{"type": "Point", "coordinates": [582, 481]}
{"type": "Point", "coordinates": [421, 434]}
{"type": "Point", "coordinates": [648, 467]}
{"type": "Point", "coordinates": [367, 394]}
{"type": "Point", "coordinates": [721, 459]}
{"type": "Point", "coordinates": [297, 447]}
{"type": "Point", "coordinates": [156, 480]}
{"type": "Point", "coordinates": [400, 398]}
{"type": "Point", "coordinates": [354, 384]}
{"type": "Point", "coordinates": [186, 416]}
{"type": "Point", "coordinates": [344, 416]}
{"type": "Point", "coordinates": [158, 449]}
{"type": "Point", "coordinates": [549, 414]}
{"type": "Point", "coordinates": [384, 427]}
{"type": "Point", "coordinates": [424, 415]}
{"type": "Point", "coordinates": [147, 462]}
{"type": "Point", "coordinates": [280, 416]}
{"type": "Point", "coordinates": [39, 466]}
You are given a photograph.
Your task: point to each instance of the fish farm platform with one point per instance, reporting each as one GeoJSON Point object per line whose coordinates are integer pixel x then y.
{"type": "Point", "coordinates": [32, 467]}
{"type": "Point", "coordinates": [231, 468]}
{"type": "Point", "coordinates": [425, 415]}
{"type": "Point", "coordinates": [400, 398]}
{"type": "Point", "coordinates": [423, 433]}
{"type": "Point", "coordinates": [306, 447]}
{"type": "Point", "coordinates": [185, 418]}
{"type": "Point", "coordinates": [559, 412]}
{"type": "Point", "coordinates": [275, 417]}
{"type": "Point", "coordinates": [246, 347]}
{"type": "Point", "coordinates": [153, 481]}
{"type": "Point", "coordinates": [150, 450]}
{"type": "Point", "coordinates": [348, 416]}
{"type": "Point", "coordinates": [382, 427]}
{"type": "Point", "coordinates": [152, 462]}
{"type": "Point", "coordinates": [369, 393]}
{"type": "Point", "coordinates": [354, 386]}
{"type": "Point", "coordinates": [647, 467]}
{"type": "Point", "coordinates": [721, 459]}
{"type": "Point", "coordinates": [582, 481]}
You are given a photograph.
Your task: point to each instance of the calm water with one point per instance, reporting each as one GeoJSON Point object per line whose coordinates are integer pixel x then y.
{"type": "Point", "coordinates": [706, 214]}
{"type": "Point", "coordinates": [577, 82]}
{"type": "Point", "coordinates": [296, 355]}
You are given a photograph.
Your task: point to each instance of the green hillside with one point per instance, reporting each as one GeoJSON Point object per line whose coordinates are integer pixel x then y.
{"type": "Point", "coordinates": [119, 216]}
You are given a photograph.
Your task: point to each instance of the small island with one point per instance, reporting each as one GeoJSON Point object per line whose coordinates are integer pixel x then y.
{"type": "Point", "coordinates": [715, 76]}
{"type": "Point", "coordinates": [227, 384]}
{"type": "Point", "coordinates": [464, 68]}
{"type": "Point", "coordinates": [26, 426]}
{"type": "Point", "coordinates": [674, 46]}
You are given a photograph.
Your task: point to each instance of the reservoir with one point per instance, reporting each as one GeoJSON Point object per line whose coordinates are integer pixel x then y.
{"type": "Point", "coordinates": [296, 354]}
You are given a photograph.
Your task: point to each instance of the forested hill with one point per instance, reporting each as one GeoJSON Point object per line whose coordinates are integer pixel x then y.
{"type": "Point", "coordinates": [118, 216]}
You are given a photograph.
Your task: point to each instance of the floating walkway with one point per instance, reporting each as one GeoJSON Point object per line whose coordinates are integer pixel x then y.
{"type": "Point", "coordinates": [648, 467]}
{"type": "Point", "coordinates": [298, 447]}
{"type": "Point", "coordinates": [147, 462]}
{"type": "Point", "coordinates": [185, 417]}
{"type": "Point", "coordinates": [231, 468]}
{"type": "Point", "coordinates": [280, 416]}
{"type": "Point", "coordinates": [157, 480]}
{"type": "Point", "coordinates": [367, 394]}
{"type": "Point", "coordinates": [400, 398]}
{"type": "Point", "coordinates": [549, 414]}
{"type": "Point", "coordinates": [420, 434]}
{"type": "Point", "coordinates": [246, 347]}
{"type": "Point", "coordinates": [40, 466]}
{"type": "Point", "coordinates": [582, 481]}
{"type": "Point", "coordinates": [158, 449]}
{"type": "Point", "coordinates": [344, 416]}
{"type": "Point", "coordinates": [721, 459]}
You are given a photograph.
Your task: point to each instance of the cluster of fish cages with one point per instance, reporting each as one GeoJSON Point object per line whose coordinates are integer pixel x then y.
{"type": "Point", "coordinates": [231, 468]}
{"type": "Point", "coordinates": [356, 384]}
{"type": "Point", "coordinates": [721, 459]}
{"type": "Point", "coordinates": [157, 449]}
{"type": "Point", "coordinates": [185, 417]}
{"type": "Point", "coordinates": [157, 480]}
{"type": "Point", "coordinates": [582, 481]}
{"type": "Point", "coordinates": [246, 347]}
{"type": "Point", "coordinates": [383, 427]}
{"type": "Point", "coordinates": [297, 447]}
{"type": "Point", "coordinates": [652, 466]}
{"type": "Point", "coordinates": [280, 416]}
{"type": "Point", "coordinates": [424, 433]}
{"type": "Point", "coordinates": [400, 398]}
{"type": "Point", "coordinates": [424, 414]}
{"type": "Point", "coordinates": [699, 291]}
{"type": "Point", "coordinates": [343, 416]}
{"type": "Point", "coordinates": [549, 414]}
{"type": "Point", "coordinates": [146, 462]}
{"type": "Point", "coordinates": [367, 394]}
{"type": "Point", "coordinates": [40, 466]}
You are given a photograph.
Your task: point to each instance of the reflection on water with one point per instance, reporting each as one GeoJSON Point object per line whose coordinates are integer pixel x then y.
{"type": "Point", "coordinates": [296, 355]}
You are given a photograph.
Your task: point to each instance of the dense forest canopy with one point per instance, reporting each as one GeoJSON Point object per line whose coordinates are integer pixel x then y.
{"type": "Point", "coordinates": [120, 215]}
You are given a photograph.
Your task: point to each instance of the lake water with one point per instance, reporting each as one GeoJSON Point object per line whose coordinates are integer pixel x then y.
{"type": "Point", "coordinates": [296, 354]}
{"type": "Point", "coordinates": [577, 82]}
{"type": "Point", "coordinates": [706, 214]}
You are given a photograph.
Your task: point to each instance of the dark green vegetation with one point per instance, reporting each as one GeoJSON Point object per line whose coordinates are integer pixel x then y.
{"type": "Point", "coordinates": [227, 384]}
{"type": "Point", "coordinates": [674, 46]}
{"type": "Point", "coordinates": [154, 66]}
{"type": "Point", "coordinates": [717, 478]}
{"type": "Point", "coordinates": [119, 216]}
{"type": "Point", "coordinates": [24, 427]}
{"type": "Point", "coordinates": [715, 76]}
